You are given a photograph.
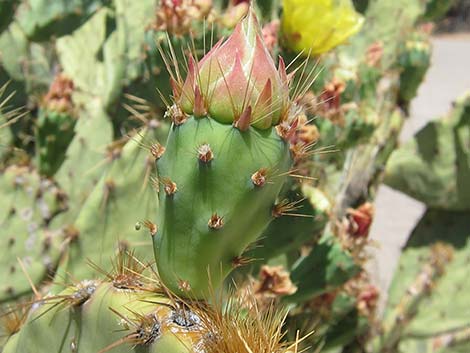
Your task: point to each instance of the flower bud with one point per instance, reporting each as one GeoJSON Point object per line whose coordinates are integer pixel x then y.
{"type": "Point", "coordinates": [237, 79]}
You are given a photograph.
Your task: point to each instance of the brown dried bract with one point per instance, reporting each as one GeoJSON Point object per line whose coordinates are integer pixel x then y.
{"type": "Point", "coordinates": [59, 96]}
{"type": "Point", "coordinates": [176, 16]}
{"type": "Point", "coordinates": [360, 220]}
{"type": "Point", "coordinates": [176, 115]}
{"type": "Point", "coordinates": [275, 281]}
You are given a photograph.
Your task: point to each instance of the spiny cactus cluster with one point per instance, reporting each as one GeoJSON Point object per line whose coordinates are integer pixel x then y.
{"type": "Point", "coordinates": [199, 176]}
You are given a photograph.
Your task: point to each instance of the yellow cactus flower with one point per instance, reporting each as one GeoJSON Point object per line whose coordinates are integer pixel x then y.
{"type": "Point", "coordinates": [317, 26]}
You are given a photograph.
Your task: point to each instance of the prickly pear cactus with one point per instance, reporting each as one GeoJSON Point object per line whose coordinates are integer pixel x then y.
{"type": "Point", "coordinates": [426, 310]}
{"type": "Point", "coordinates": [226, 159]}
{"type": "Point", "coordinates": [434, 167]}
{"type": "Point", "coordinates": [41, 19]}
{"type": "Point", "coordinates": [131, 311]}
{"type": "Point", "coordinates": [126, 181]}
{"type": "Point", "coordinates": [30, 250]}
{"type": "Point", "coordinates": [219, 199]}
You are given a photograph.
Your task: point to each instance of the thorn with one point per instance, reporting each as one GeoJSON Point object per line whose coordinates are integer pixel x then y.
{"type": "Point", "coordinates": [157, 150]}
{"type": "Point", "coordinates": [176, 115]}
{"type": "Point", "coordinates": [184, 286]}
{"type": "Point", "coordinates": [243, 122]}
{"type": "Point", "coordinates": [71, 233]}
{"type": "Point", "coordinates": [169, 186]}
{"type": "Point", "coordinates": [287, 131]}
{"type": "Point", "coordinates": [37, 295]}
{"type": "Point", "coordinates": [283, 207]}
{"type": "Point", "coordinates": [215, 222]}
{"type": "Point", "coordinates": [239, 261]}
{"type": "Point", "coordinates": [259, 177]}
{"type": "Point", "coordinates": [204, 153]}
{"type": "Point", "coordinates": [152, 227]}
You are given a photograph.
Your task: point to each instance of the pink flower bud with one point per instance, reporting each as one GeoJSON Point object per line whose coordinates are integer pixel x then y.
{"type": "Point", "coordinates": [237, 79]}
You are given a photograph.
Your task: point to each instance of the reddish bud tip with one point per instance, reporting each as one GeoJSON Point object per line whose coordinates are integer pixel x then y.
{"type": "Point", "coordinates": [199, 106]}
{"type": "Point", "coordinates": [243, 122]}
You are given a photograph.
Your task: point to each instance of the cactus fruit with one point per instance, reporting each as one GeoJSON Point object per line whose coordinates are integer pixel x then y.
{"type": "Point", "coordinates": [305, 30]}
{"type": "Point", "coordinates": [55, 126]}
{"type": "Point", "coordinates": [226, 159]}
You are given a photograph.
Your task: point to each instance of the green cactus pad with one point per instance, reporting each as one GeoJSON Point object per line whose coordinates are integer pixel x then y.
{"type": "Point", "coordinates": [91, 317]}
{"type": "Point", "coordinates": [85, 158]}
{"type": "Point", "coordinates": [414, 60]}
{"type": "Point", "coordinates": [7, 11]}
{"type": "Point", "coordinates": [434, 167]}
{"type": "Point", "coordinates": [28, 203]}
{"type": "Point", "coordinates": [54, 133]}
{"type": "Point", "coordinates": [288, 233]}
{"type": "Point", "coordinates": [188, 249]}
{"type": "Point", "coordinates": [104, 54]}
{"type": "Point", "coordinates": [42, 19]}
{"type": "Point", "coordinates": [106, 222]}
{"type": "Point", "coordinates": [443, 308]}
{"type": "Point", "coordinates": [326, 267]}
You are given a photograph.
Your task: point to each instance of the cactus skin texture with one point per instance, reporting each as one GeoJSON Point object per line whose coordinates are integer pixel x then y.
{"type": "Point", "coordinates": [92, 317]}
{"type": "Point", "coordinates": [434, 167]}
{"type": "Point", "coordinates": [55, 126]}
{"type": "Point", "coordinates": [7, 11]}
{"type": "Point", "coordinates": [131, 311]}
{"type": "Point", "coordinates": [286, 234]}
{"type": "Point", "coordinates": [427, 293]}
{"type": "Point", "coordinates": [186, 246]}
{"type": "Point", "coordinates": [28, 203]}
{"type": "Point", "coordinates": [337, 265]}
{"type": "Point", "coordinates": [125, 181]}
{"type": "Point", "coordinates": [42, 19]}
{"type": "Point", "coordinates": [436, 9]}
{"type": "Point", "coordinates": [223, 169]}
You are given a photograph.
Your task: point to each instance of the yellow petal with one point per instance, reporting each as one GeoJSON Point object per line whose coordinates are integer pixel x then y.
{"type": "Point", "coordinates": [317, 26]}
